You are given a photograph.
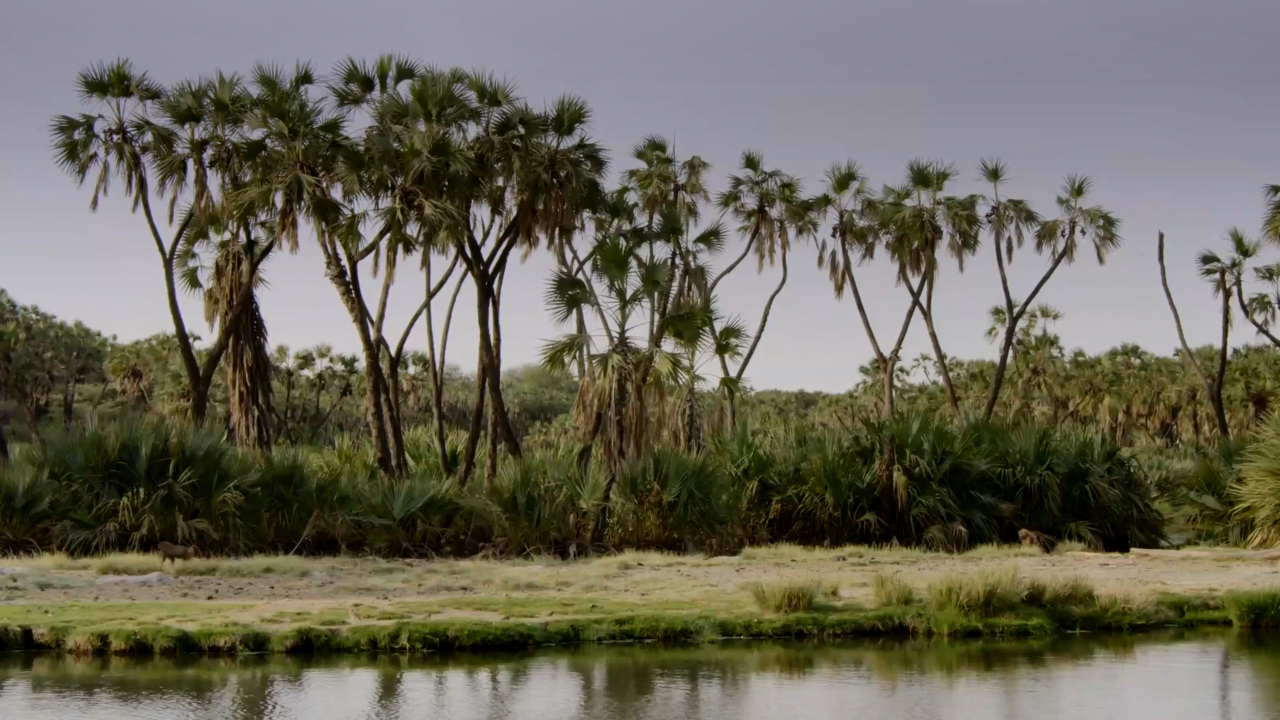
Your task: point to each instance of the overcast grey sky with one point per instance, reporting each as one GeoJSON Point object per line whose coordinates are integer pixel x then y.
{"type": "Point", "coordinates": [1171, 106]}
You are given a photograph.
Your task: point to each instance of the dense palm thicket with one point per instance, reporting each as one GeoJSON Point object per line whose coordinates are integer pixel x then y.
{"type": "Point", "coordinates": [639, 426]}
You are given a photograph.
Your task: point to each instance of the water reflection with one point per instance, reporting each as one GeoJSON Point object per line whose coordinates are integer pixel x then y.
{"type": "Point", "coordinates": [1175, 676]}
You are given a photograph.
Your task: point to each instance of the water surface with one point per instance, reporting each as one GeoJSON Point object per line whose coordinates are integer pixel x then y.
{"type": "Point", "coordinates": [1168, 677]}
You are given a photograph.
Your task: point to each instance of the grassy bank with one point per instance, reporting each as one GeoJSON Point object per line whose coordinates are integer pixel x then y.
{"type": "Point", "coordinates": [348, 605]}
{"type": "Point", "coordinates": [57, 631]}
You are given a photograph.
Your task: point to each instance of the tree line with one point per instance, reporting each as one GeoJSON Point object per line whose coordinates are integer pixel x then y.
{"type": "Point", "coordinates": [392, 167]}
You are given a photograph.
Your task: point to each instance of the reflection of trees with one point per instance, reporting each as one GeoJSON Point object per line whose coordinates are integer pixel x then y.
{"type": "Point", "coordinates": [593, 682]}
{"type": "Point", "coordinates": [1259, 653]}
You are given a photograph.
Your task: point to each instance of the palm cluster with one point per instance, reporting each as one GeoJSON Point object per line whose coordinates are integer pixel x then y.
{"type": "Point", "coordinates": [391, 166]}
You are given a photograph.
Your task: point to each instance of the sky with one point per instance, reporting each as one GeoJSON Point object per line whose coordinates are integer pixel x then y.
{"type": "Point", "coordinates": [1172, 107]}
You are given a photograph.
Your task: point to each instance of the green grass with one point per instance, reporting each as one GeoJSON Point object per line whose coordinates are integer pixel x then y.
{"type": "Point", "coordinates": [1054, 592]}
{"type": "Point", "coordinates": [798, 596]}
{"type": "Point", "coordinates": [892, 591]}
{"type": "Point", "coordinates": [1254, 609]}
{"type": "Point", "coordinates": [979, 605]}
{"type": "Point", "coordinates": [985, 594]}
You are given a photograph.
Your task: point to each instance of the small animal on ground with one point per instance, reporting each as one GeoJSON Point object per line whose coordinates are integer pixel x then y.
{"type": "Point", "coordinates": [1031, 537]}
{"type": "Point", "coordinates": [172, 553]}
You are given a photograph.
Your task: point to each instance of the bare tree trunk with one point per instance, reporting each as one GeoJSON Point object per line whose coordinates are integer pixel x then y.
{"type": "Point", "coordinates": [1215, 395]}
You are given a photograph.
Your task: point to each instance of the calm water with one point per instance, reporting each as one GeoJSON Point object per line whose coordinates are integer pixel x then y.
{"type": "Point", "coordinates": [1172, 677]}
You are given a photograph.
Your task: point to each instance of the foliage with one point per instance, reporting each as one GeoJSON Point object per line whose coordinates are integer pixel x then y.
{"type": "Point", "coordinates": [131, 484]}
{"type": "Point", "coordinates": [1258, 491]}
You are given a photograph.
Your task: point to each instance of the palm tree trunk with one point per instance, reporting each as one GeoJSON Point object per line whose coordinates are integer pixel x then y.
{"type": "Point", "coordinates": [493, 370]}
{"type": "Point", "coordinates": [376, 390]}
{"type": "Point", "coordinates": [199, 392]}
{"type": "Point", "coordinates": [890, 361]}
{"type": "Point", "coordinates": [1215, 396]}
{"type": "Point", "coordinates": [1219, 410]}
{"type": "Point", "coordinates": [1013, 318]}
{"type": "Point", "coordinates": [437, 368]}
{"type": "Point", "coordinates": [927, 311]}
{"type": "Point", "coordinates": [477, 421]}
{"type": "Point", "coordinates": [755, 341]}
{"type": "Point", "coordinates": [288, 398]}
{"type": "Point", "coordinates": [69, 402]}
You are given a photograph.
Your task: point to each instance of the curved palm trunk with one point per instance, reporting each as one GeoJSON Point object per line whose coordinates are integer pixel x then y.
{"type": "Point", "coordinates": [437, 375]}
{"type": "Point", "coordinates": [376, 390]}
{"type": "Point", "coordinates": [927, 311]}
{"type": "Point", "coordinates": [1212, 388]}
{"type": "Point", "coordinates": [1013, 318]}
{"type": "Point", "coordinates": [755, 342]}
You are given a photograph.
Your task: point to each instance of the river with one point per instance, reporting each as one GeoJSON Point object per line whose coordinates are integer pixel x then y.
{"type": "Point", "coordinates": [1169, 677]}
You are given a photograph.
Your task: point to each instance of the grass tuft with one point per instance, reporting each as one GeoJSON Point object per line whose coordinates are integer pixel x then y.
{"type": "Point", "coordinates": [1059, 592]}
{"type": "Point", "coordinates": [986, 594]}
{"type": "Point", "coordinates": [791, 597]}
{"type": "Point", "coordinates": [1254, 609]}
{"type": "Point", "coordinates": [892, 591]}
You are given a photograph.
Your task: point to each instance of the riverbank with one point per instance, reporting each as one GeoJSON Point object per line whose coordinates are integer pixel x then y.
{"type": "Point", "coordinates": [124, 604]}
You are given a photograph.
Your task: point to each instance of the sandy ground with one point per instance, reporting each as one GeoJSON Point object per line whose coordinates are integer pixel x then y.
{"type": "Point", "coordinates": [338, 591]}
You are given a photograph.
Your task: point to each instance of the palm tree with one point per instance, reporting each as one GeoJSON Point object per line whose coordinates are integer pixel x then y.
{"type": "Point", "coordinates": [915, 219]}
{"type": "Point", "coordinates": [206, 157]}
{"type": "Point", "coordinates": [855, 233]}
{"type": "Point", "coordinates": [1060, 237]}
{"type": "Point", "coordinates": [771, 213]}
{"type": "Point", "coordinates": [1271, 220]}
{"type": "Point", "coordinates": [1224, 275]}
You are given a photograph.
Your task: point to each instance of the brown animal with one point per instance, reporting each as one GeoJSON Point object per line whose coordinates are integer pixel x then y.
{"type": "Point", "coordinates": [1031, 537]}
{"type": "Point", "coordinates": [173, 553]}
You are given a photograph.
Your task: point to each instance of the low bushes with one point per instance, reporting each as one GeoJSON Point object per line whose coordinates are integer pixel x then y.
{"type": "Point", "coordinates": [913, 480]}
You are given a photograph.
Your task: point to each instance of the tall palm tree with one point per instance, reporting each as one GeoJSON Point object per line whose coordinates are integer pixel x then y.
{"type": "Point", "coordinates": [772, 213]}
{"type": "Point", "coordinates": [206, 158]}
{"type": "Point", "coordinates": [1059, 238]}
{"type": "Point", "coordinates": [855, 235]}
{"type": "Point", "coordinates": [916, 219]}
{"type": "Point", "coordinates": [1223, 274]}
{"type": "Point", "coordinates": [303, 162]}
